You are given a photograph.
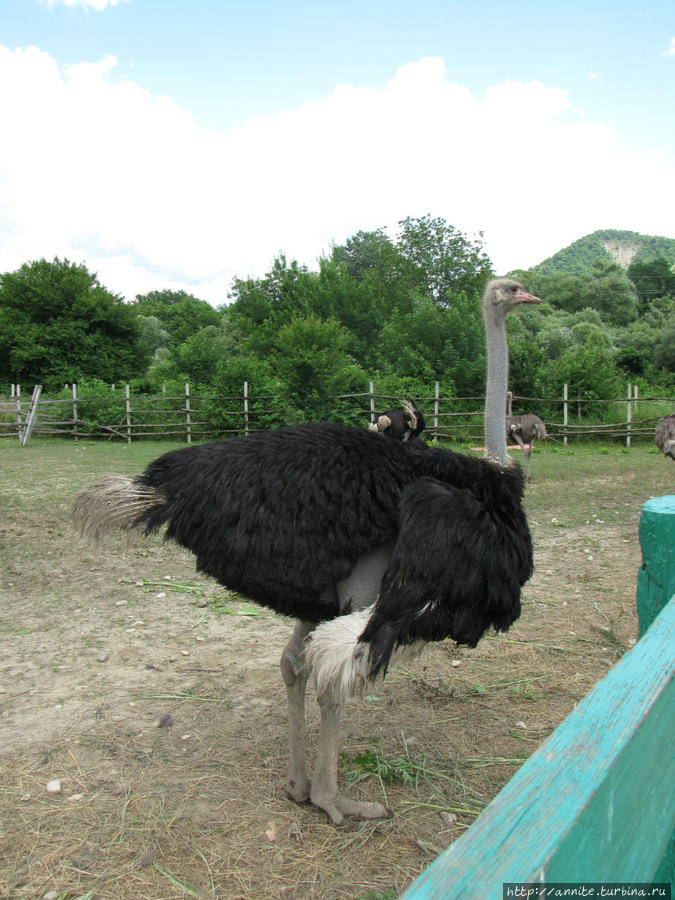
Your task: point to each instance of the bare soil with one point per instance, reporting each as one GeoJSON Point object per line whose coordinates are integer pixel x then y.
{"type": "Point", "coordinates": [100, 643]}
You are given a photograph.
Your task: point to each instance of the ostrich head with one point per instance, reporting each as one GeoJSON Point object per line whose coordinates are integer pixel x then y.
{"type": "Point", "coordinates": [501, 296]}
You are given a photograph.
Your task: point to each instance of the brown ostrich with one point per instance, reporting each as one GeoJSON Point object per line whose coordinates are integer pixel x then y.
{"type": "Point", "coordinates": [664, 435]}
{"type": "Point", "coordinates": [524, 429]}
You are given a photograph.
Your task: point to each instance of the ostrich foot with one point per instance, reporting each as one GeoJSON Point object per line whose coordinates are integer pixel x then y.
{"type": "Point", "coordinates": [298, 789]}
{"type": "Point", "coordinates": [337, 808]}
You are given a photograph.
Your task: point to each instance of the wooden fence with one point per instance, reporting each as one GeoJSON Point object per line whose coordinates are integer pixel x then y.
{"type": "Point", "coordinates": [596, 802]}
{"type": "Point", "coordinates": [128, 417]}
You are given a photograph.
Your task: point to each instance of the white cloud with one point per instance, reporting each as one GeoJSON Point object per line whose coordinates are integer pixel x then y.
{"type": "Point", "coordinates": [595, 76]}
{"type": "Point", "coordinates": [98, 5]}
{"type": "Point", "coordinates": [671, 48]}
{"type": "Point", "coordinates": [105, 172]}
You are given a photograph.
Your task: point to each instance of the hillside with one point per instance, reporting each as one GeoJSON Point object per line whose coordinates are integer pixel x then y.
{"type": "Point", "coordinates": [622, 247]}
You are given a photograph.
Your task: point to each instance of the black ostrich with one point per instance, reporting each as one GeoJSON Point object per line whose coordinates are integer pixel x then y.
{"type": "Point", "coordinates": [664, 435]}
{"type": "Point", "coordinates": [400, 424]}
{"type": "Point", "coordinates": [524, 429]}
{"type": "Point", "coordinates": [374, 546]}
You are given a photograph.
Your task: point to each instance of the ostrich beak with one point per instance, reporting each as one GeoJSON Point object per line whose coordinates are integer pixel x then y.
{"type": "Point", "coordinates": [524, 297]}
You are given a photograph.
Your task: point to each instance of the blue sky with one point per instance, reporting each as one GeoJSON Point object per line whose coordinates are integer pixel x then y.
{"type": "Point", "coordinates": [180, 144]}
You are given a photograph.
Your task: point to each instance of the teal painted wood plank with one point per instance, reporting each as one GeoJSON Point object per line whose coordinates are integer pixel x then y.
{"type": "Point", "coordinates": [596, 802]}
{"type": "Point", "coordinates": [656, 578]}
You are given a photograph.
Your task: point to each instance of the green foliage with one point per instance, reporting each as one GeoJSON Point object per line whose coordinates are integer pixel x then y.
{"type": "Point", "coordinates": [416, 343]}
{"type": "Point", "coordinates": [407, 308]}
{"type": "Point", "coordinates": [588, 369]}
{"type": "Point", "coordinates": [58, 324]}
{"type": "Point", "coordinates": [357, 303]}
{"type": "Point", "coordinates": [604, 287]}
{"type": "Point", "coordinates": [652, 278]}
{"type": "Point", "coordinates": [311, 360]}
{"type": "Point", "coordinates": [371, 763]}
{"type": "Point", "coordinates": [98, 404]}
{"type": "Point", "coordinates": [263, 305]}
{"type": "Point", "coordinates": [195, 360]}
{"type": "Point", "coordinates": [525, 356]}
{"type": "Point", "coordinates": [153, 335]}
{"type": "Point", "coordinates": [180, 314]}
{"type": "Point", "coordinates": [225, 410]}
{"type": "Point", "coordinates": [402, 311]}
{"type": "Point", "coordinates": [442, 262]}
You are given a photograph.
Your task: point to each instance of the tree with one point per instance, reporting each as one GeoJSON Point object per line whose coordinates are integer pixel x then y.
{"type": "Point", "coordinates": [652, 279]}
{"type": "Point", "coordinates": [416, 344]}
{"type": "Point", "coordinates": [377, 265]}
{"type": "Point", "coordinates": [263, 305]}
{"type": "Point", "coordinates": [59, 324]}
{"type": "Point", "coordinates": [589, 370]}
{"type": "Point", "coordinates": [442, 261]}
{"type": "Point", "coordinates": [179, 313]}
{"type": "Point", "coordinates": [152, 334]}
{"type": "Point", "coordinates": [195, 360]}
{"type": "Point", "coordinates": [611, 292]}
{"type": "Point", "coordinates": [605, 288]}
{"type": "Point", "coordinates": [312, 361]}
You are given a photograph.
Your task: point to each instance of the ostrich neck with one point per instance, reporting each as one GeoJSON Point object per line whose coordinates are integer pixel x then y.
{"type": "Point", "coordinates": [495, 395]}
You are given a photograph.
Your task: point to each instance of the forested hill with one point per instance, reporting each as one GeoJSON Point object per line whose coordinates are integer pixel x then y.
{"type": "Point", "coordinates": [609, 245]}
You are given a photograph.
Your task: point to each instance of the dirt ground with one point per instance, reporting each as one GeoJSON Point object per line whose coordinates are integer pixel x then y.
{"type": "Point", "coordinates": [100, 643]}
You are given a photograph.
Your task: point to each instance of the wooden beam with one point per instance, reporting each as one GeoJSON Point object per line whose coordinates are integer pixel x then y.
{"type": "Point", "coordinates": [595, 803]}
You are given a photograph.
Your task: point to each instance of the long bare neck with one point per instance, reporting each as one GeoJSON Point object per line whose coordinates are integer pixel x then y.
{"type": "Point", "coordinates": [495, 394]}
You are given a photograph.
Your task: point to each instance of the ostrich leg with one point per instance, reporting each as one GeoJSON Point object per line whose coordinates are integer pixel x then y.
{"type": "Point", "coordinates": [355, 594]}
{"type": "Point", "coordinates": [294, 672]}
{"type": "Point", "coordinates": [527, 450]}
{"type": "Point", "coordinates": [324, 783]}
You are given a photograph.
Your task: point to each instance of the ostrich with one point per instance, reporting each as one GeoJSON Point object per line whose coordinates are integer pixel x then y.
{"type": "Point", "coordinates": [664, 435]}
{"type": "Point", "coordinates": [401, 425]}
{"type": "Point", "coordinates": [523, 430]}
{"type": "Point", "coordinates": [374, 546]}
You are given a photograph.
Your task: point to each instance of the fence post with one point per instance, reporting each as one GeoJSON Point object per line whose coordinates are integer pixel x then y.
{"type": "Point", "coordinates": [437, 394]}
{"type": "Point", "coordinates": [371, 393]}
{"type": "Point", "coordinates": [127, 409]}
{"type": "Point", "coordinates": [188, 434]}
{"type": "Point", "coordinates": [629, 413]}
{"type": "Point", "coordinates": [31, 418]}
{"type": "Point", "coordinates": [656, 576]}
{"type": "Point", "coordinates": [565, 410]}
{"type": "Point", "coordinates": [246, 407]}
{"type": "Point", "coordinates": [18, 411]}
{"type": "Point", "coordinates": [74, 389]}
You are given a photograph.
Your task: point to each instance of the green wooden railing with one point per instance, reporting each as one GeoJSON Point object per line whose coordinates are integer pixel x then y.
{"type": "Point", "coordinates": [596, 802]}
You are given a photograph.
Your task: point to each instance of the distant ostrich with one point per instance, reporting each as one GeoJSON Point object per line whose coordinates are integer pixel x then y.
{"type": "Point", "coordinates": [523, 430]}
{"type": "Point", "coordinates": [400, 424]}
{"type": "Point", "coordinates": [374, 546]}
{"type": "Point", "coordinates": [664, 435]}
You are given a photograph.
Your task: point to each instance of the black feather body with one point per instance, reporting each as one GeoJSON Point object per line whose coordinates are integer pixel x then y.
{"type": "Point", "coordinates": [462, 554]}
{"type": "Point", "coordinates": [281, 516]}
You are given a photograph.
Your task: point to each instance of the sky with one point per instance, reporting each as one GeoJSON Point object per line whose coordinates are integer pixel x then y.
{"type": "Point", "coordinates": [178, 145]}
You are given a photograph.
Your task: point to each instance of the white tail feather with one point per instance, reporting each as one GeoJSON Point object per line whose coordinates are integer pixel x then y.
{"type": "Point", "coordinates": [112, 503]}
{"type": "Point", "coordinates": [338, 659]}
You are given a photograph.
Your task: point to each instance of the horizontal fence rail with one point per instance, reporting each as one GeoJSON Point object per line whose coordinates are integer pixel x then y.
{"type": "Point", "coordinates": [122, 416]}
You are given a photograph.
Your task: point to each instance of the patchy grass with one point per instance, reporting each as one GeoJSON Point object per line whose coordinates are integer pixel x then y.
{"type": "Point", "coordinates": [154, 696]}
